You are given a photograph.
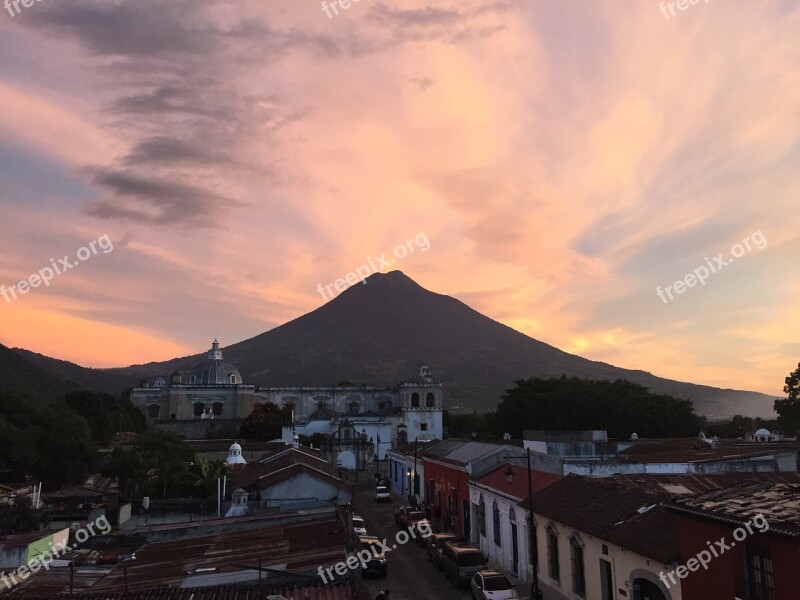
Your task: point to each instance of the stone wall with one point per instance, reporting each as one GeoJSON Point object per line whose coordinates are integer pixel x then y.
{"type": "Point", "coordinates": [202, 429]}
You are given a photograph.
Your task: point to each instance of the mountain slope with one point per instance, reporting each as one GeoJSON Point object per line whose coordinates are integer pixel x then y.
{"type": "Point", "coordinates": [378, 333]}
{"type": "Point", "coordinates": [17, 373]}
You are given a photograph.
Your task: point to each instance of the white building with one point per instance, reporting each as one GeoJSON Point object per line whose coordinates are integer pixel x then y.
{"type": "Point", "coordinates": [595, 538]}
{"type": "Point", "coordinates": [387, 416]}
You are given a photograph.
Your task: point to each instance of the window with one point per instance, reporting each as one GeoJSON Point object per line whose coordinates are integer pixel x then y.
{"type": "Point", "coordinates": [415, 400]}
{"type": "Point", "coordinates": [553, 568]}
{"type": "Point", "coordinates": [760, 574]}
{"type": "Point", "coordinates": [430, 400]}
{"type": "Point", "coordinates": [482, 517]}
{"type": "Point", "coordinates": [423, 427]}
{"type": "Point", "coordinates": [217, 408]}
{"type": "Point", "coordinates": [496, 524]}
{"type": "Point", "coordinates": [578, 570]}
{"type": "Point", "coordinates": [233, 378]}
{"type": "Point", "coordinates": [153, 411]}
{"type": "Point", "coordinates": [198, 409]}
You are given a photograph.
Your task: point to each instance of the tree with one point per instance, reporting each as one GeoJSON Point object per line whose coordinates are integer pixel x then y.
{"type": "Point", "coordinates": [106, 414]}
{"type": "Point", "coordinates": [788, 408]}
{"type": "Point", "coordinates": [49, 442]}
{"type": "Point", "coordinates": [156, 464]}
{"type": "Point", "coordinates": [264, 423]}
{"type": "Point", "coordinates": [19, 516]}
{"type": "Point", "coordinates": [206, 473]}
{"type": "Point", "coordinates": [619, 407]}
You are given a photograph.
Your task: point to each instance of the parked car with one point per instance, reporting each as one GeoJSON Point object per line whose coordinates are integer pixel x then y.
{"type": "Point", "coordinates": [401, 514]}
{"type": "Point", "coordinates": [492, 585]}
{"type": "Point", "coordinates": [359, 526]}
{"type": "Point", "coordinates": [377, 563]}
{"type": "Point", "coordinates": [409, 517]}
{"type": "Point", "coordinates": [422, 533]}
{"type": "Point", "coordinates": [461, 561]}
{"type": "Point", "coordinates": [382, 494]}
{"type": "Point", "coordinates": [436, 542]}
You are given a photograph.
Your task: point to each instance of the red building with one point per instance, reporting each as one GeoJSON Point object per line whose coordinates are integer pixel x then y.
{"type": "Point", "coordinates": [448, 467]}
{"type": "Point", "coordinates": [741, 542]}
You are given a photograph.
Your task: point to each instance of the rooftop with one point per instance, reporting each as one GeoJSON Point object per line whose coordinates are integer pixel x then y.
{"type": "Point", "coordinates": [225, 558]}
{"type": "Point", "coordinates": [779, 503]}
{"type": "Point", "coordinates": [691, 450]}
{"type": "Point", "coordinates": [342, 591]}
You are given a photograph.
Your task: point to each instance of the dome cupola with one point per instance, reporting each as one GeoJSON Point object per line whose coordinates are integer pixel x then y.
{"type": "Point", "coordinates": [214, 370]}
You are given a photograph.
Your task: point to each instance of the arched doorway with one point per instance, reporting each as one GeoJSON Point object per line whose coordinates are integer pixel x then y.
{"type": "Point", "coordinates": [346, 460]}
{"type": "Point", "coordinates": [644, 589]}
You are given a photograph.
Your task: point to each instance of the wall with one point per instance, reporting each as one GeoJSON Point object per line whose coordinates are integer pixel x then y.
{"type": "Point", "coordinates": [624, 563]}
{"type": "Point", "coordinates": [303, 491]}
{"type": "Point", "coordinates": [198, 429]}
{"type": "Point", "coordinates": [448, 483]}
{"type": "Point", "coordinates": [720, 578]}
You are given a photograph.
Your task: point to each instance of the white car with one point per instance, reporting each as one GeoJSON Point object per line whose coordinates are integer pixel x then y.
{"type": "Point", "coordinates": [492, 585]}
{"type": "Point", "coordinates": [359, 526]}
{"type": "Point", "coordinates": [382, 494]}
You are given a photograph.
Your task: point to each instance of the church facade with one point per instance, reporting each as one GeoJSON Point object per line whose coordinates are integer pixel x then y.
{"type": "Point", "coordinates": [214, 390]}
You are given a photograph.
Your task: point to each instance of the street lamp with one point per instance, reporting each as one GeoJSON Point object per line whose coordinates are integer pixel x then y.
{"type": "Point", "coordinates": [536, 592]}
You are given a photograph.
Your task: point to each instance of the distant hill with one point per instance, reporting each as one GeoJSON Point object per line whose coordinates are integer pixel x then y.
{"type": "Point", "coordinates": [380, 332]}
{"type": "Point", "coordinates": [17, 373]}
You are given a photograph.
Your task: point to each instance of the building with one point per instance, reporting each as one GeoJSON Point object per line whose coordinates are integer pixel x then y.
{"type": "Point", "coordinates": [213, 398]}
{"type": "Point", "coordinates": [407, 470]}
{"type": "Point", "coordinates": [591, 453]}
{"type": "Point", "coordinates": [213, 390]}
{"type": "Point", "coordinates": [501, 524]}
{"type": "Point", "coordinates": [206, 561]}
{"type": "Point", "coordinates": [601, 539]}
{"type": "Point", "coordinates": [292, 479]}
{"type": "Point", "coordinates": [449, 466]}
{"type": "Point", "coordinates": [387, 416]}
{"type": "Point", "coordinates": [759, 523]}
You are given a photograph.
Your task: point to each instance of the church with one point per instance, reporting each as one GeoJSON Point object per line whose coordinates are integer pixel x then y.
{"type": "Point", "coordinates": [214, 391]}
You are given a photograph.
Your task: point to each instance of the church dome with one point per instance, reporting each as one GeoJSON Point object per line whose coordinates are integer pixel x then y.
{"type": "Point", "coordinates": [214, 370]}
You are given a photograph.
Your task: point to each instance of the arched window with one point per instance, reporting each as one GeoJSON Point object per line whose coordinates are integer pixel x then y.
{"type": "Point", "coordinates": [352, 408]}
{"type": "Point", "coordinates": [482, 516]}
{"type": "Point", "coordinates": [198, 408]}
{"type": "Point", "coordinates": [553, 563]}
{"type": "Point", "coordinates": [578, 569]}
{"type": "Point", "coordinates": [496, 524]}
{"type": "Point", "coordinates": [233, 378]}
{"type": "Point", "coordinates": [415, 400]}
{"type": "Point", "coordinates": [430, 400]}
{"type": "Point", "coordinates": [217, 408]}
{"type": "Point", "coordinates": [153, 411]}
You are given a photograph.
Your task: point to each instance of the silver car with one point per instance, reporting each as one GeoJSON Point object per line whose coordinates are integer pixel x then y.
{"type": "Point", "coordinates": [492, 585]}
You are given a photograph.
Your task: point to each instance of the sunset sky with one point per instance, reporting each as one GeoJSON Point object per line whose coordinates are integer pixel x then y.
{"type": "Point", "coordinates": [563, 159]}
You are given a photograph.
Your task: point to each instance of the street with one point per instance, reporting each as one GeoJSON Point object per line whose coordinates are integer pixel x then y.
{"type": "Point", "coordinates": [411, 575]}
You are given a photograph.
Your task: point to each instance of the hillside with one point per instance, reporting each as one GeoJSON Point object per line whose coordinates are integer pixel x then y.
{"type": "Point", "coordinates": [378, 333]}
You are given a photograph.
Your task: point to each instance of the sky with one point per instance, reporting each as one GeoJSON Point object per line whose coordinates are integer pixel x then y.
{"type": "Point", "coordinates": [554, 164]}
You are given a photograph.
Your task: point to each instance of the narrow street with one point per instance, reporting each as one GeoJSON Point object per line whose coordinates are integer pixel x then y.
{"type": "Point", "coordinates": [411, 575]}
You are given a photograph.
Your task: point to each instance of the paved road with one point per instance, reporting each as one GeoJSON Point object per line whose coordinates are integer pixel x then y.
{"type": "Point", "coordinates": [411, 575]}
